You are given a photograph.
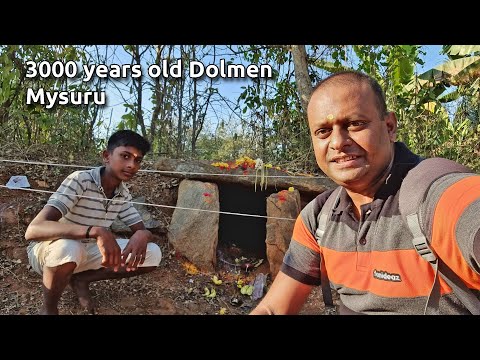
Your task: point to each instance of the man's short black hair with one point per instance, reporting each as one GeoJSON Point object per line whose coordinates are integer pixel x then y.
{"type": "Point", "coordinates": [350, 76]}
{"type": "Point", "coordinates": [128, 138]}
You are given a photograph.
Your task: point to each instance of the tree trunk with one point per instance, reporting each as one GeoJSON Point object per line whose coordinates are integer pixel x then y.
{"type": "Point", "coordinates": [180, 111]}
{"type": "Point", "coordinates": [304, 85]}
{"type": "Point", "coordinates": [139, 87]}
{"type": "Point", "coordinates": [195, 109]}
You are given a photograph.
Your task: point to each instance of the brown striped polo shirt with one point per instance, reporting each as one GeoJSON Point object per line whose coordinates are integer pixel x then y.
{"type": "Point", "coordinates": [371, 262]}
{"type": "Point", "coordinates": [94, 208]}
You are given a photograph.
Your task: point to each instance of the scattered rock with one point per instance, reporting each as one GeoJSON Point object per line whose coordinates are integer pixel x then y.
{"type": "Point", "coordinates": [148, 220]}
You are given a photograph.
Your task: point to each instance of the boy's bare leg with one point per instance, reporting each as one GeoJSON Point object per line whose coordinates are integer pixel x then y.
{"type": "Point", "coordinates": [55, 279]}
{"type": "Point", "coordinates": [80, 281]}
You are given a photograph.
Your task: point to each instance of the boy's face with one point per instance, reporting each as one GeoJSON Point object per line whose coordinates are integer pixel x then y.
{"type": "Point", "coordinates": [123, 162]}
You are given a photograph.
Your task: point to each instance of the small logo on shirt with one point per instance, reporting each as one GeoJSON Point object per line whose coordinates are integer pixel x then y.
{"type": "Point", "coordinates": [383, 275]}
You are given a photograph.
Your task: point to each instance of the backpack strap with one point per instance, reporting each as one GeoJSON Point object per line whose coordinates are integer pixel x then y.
{"type": "Point", "coordinates": [421, 178]}
{"type": "Point", "coordinates": [325, 214]}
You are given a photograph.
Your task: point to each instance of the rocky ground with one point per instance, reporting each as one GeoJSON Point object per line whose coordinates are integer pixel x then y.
{"type": "Point", "coordinates": [174, 288]}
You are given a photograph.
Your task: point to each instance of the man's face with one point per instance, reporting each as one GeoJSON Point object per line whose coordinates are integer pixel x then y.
{"type": "Point", "coordinates": [124, 161]}
{"type": "Point", "coordinates": [351, 139]}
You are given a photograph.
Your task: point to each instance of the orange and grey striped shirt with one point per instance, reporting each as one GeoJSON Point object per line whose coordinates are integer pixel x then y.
{"type": "Point", "coordinates": [94, 208]}
{"type": "Point", "coordinates": [371, 262]}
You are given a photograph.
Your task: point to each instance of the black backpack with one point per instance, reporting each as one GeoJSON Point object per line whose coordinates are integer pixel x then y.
{"type": "Point", "coordinates": [422, 176]}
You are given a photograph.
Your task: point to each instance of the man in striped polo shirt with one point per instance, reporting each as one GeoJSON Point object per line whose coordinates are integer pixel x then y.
{"type": "Point", "coordinates": [366, 247]}
{"type": "Point", "coordinates": [70, 237]}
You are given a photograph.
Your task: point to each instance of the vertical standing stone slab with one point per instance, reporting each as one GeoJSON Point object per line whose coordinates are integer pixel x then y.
{"type": "Point", "coordinates": [194, 234]}
{"type": "Point", "coordinates": [284, 204]}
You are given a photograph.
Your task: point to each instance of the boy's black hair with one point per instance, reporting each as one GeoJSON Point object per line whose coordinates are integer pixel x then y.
{"type": "Point", "coordinates": [128, 138]}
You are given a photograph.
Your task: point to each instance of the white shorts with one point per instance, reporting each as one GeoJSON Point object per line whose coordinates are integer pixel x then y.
{"type": "Point", "coordinates": [86, 255]}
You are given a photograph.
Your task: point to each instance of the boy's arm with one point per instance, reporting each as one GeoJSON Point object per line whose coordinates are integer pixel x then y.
{"type": "Point", "coordinates": [45, 226]}
{"type": "Point", "coordinates": [140, 226]}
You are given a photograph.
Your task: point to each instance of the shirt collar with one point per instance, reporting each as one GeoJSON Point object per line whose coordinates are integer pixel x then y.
{"type": "Point", "coordinates": [403, 161]}
{"type": "Point", "coordinates": [95, 173]}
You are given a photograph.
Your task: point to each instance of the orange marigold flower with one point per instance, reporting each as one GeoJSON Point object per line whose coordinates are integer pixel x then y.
{"type": "Point", "coordinates": [221, 165]}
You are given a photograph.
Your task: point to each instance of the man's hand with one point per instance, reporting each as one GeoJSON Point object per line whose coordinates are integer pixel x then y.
{"type": "Point", "coordinates": [108, 247]}
{"type": "Point", "coordinates": [137, 249]}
